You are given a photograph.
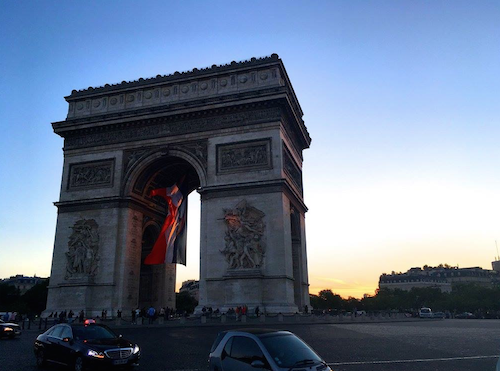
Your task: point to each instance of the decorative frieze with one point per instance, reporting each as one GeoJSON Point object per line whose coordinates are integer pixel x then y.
{"type": "Point", "coordinates": [244, 240]}
{"type": "Point", "coordinates": [292, 169]}
{"type": "Point", "coordinates": [244, 156]}
{"type": "Point", "coordinates": [170, 128]}
{"type": "Point", "coordinates": [94, 174]}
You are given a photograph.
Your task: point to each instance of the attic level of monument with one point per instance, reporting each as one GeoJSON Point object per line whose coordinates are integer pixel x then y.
{"type": "Point", "coordinates": [215, 98]}
{"type": "Point", "coordinates": [194, 74]}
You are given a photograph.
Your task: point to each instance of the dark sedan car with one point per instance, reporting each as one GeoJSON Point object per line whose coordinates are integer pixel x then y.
{"type": "Point", "coordinates": [83, 346]}
{"type": "Point", "coordinates": [250, 349]}
{"type": "Point", "coordinates": [9, 330]}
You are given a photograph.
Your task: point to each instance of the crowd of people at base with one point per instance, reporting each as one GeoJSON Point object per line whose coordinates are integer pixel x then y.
{"type": "Point", "coordinates": [12, 317]}
{"type": "Point", "coordinates": [238, 312]}
{"type": "Point", "coordinates": [152, 314]}
{"type": "Point", "coordinates": [65, 316]}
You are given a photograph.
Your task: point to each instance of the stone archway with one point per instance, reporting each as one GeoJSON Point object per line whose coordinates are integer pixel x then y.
{"type": "Point", "coordinates": [157, 168]}
{"type": "Point", "coordinates": [237, 132]}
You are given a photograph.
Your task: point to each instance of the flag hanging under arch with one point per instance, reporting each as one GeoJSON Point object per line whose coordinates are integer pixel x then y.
{"type": "Point", "coordinates": [170, 246]}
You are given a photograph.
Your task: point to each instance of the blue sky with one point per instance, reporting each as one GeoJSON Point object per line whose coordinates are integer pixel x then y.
{"type": "Point", "coordinates": [401, 98]}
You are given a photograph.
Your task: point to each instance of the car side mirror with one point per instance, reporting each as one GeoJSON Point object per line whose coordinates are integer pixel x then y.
{"type": "Point", "coordinates": [257, 364]}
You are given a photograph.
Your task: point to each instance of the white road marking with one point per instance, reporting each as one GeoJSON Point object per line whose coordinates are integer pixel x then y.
{"type": "Point", "coordinates": [410, 360]}
{"type": "Point", "coordinates": [388, 362]}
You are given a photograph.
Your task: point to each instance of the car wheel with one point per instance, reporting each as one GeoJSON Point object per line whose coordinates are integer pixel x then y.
{"type": "Point", "coordinates": [40, 358]}
{"type": "Point", "coordinates": [78, 366]}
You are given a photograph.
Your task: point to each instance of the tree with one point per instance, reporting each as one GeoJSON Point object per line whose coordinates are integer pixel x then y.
{"type": "Point", "coordinates": [185, 302]}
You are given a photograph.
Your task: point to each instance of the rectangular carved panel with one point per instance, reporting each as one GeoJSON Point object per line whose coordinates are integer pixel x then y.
{"type": "Point", "coordinates": [244, 156]}
{"type": "Point", "coordinates": [292, 169]}
{"type": "Point", "coordinates": [93, 174]}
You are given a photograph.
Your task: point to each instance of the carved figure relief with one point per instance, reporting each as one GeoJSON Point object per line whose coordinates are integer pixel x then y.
{"type": "Point", "coordinates": [244, 245]}
{"type": "Point", "coordinates": [83, 250]}
{"type": "Point", "coordinates": [91, 174]}
{"type": "Point", "coordinates": [197, 149]}
{"type": "Point", "coordinates": [244, 156]}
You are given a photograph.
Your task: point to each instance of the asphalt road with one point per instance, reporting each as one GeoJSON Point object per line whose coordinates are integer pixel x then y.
{"type": "Point", "coordinates": [448, 345]}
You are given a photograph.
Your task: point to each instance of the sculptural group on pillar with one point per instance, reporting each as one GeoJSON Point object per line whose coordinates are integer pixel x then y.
{"type": "Point", "coordinates": [83, 246]}
{"type": "Point", "coordinates": [244, 246]}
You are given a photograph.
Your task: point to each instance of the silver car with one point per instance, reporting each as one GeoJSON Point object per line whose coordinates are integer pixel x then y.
{"type": "Point", "coordinates": [250, 349]}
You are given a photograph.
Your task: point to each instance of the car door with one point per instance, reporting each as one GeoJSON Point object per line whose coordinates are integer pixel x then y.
{"type": "Point", "coordinates": [52, 343]}
{"type": "Point", "coordinates": [64, 348]}
{"type": "Point", "coordinates": [243, 351]}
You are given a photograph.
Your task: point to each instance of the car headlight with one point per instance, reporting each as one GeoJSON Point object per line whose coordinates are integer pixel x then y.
{"type": "Point", "coordinates": [136, 349]}
{"type": "Point", "coordinates": [8, 329]}
{"type": "Point", "coordinates": [93, 353]}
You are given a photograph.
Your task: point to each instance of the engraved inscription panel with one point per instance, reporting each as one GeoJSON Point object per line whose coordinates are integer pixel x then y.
{"type": "Point", "coordinates": [244, 156]}
{"type": "Point", "coordinates": [93, 174]}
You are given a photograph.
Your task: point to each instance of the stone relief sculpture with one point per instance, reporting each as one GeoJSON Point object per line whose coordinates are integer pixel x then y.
{"type": "Point", "coordinates": [83, 247]}
{"type": "Point", "coordinates": [98, 173]}
{"type": "Point", "coordinates": [244, 245]}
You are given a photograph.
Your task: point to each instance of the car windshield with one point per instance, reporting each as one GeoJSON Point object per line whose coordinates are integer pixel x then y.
{"type": "Point", "coordinates": [287, 350]}
{"type": "Point", "coordinates": [92, 332]}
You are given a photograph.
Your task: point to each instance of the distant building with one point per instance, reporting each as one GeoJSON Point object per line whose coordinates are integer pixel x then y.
{"type": "Point", "coordinates": [192, 287]}
{"type": "Point", "coordinates": [22, 283]}
{"type": "Point", "coordinates": [441, 277]}
{"type": "Point", "coordinates": [496, 265]}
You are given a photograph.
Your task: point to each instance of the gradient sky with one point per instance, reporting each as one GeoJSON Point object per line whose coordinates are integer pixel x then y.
{"type": "Point", "coordinates": [401, 98]}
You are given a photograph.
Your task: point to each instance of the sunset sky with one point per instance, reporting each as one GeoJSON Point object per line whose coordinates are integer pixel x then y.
{"type": "Point", "coordinates": [401, 99]}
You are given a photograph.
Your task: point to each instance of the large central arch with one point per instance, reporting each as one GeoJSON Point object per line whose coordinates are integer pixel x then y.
{"type": "Point", "coordinates": [236, 133]}
{"type": "Point", "coordinates": [158, 168]}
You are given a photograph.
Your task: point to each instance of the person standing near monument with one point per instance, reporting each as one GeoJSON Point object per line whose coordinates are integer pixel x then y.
{"type": "Point", "coordinates": [151, 314]}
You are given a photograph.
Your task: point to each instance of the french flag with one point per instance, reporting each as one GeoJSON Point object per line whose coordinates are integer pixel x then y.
{"type": "Point", "coordinates": [170, 247]}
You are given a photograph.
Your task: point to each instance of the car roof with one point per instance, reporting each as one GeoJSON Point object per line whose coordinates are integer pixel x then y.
{"type": "Point", "coordinates": [259, 332]}
{"type": "Point", "coordinates": [86, 325]}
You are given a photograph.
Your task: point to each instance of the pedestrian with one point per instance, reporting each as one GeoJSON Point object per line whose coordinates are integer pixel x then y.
{"type": "Point", "coordinates": [151, 314]}
{"type": "Point", "coordinates": [238, 311]}
{"type": "Point", "coordinates": [133, 316]}
{"type": "Point", "coordinates": [257, 311]}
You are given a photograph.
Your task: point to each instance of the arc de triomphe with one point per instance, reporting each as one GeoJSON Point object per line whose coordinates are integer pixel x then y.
{"type": "Point", "coordinates": [236, 132]}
